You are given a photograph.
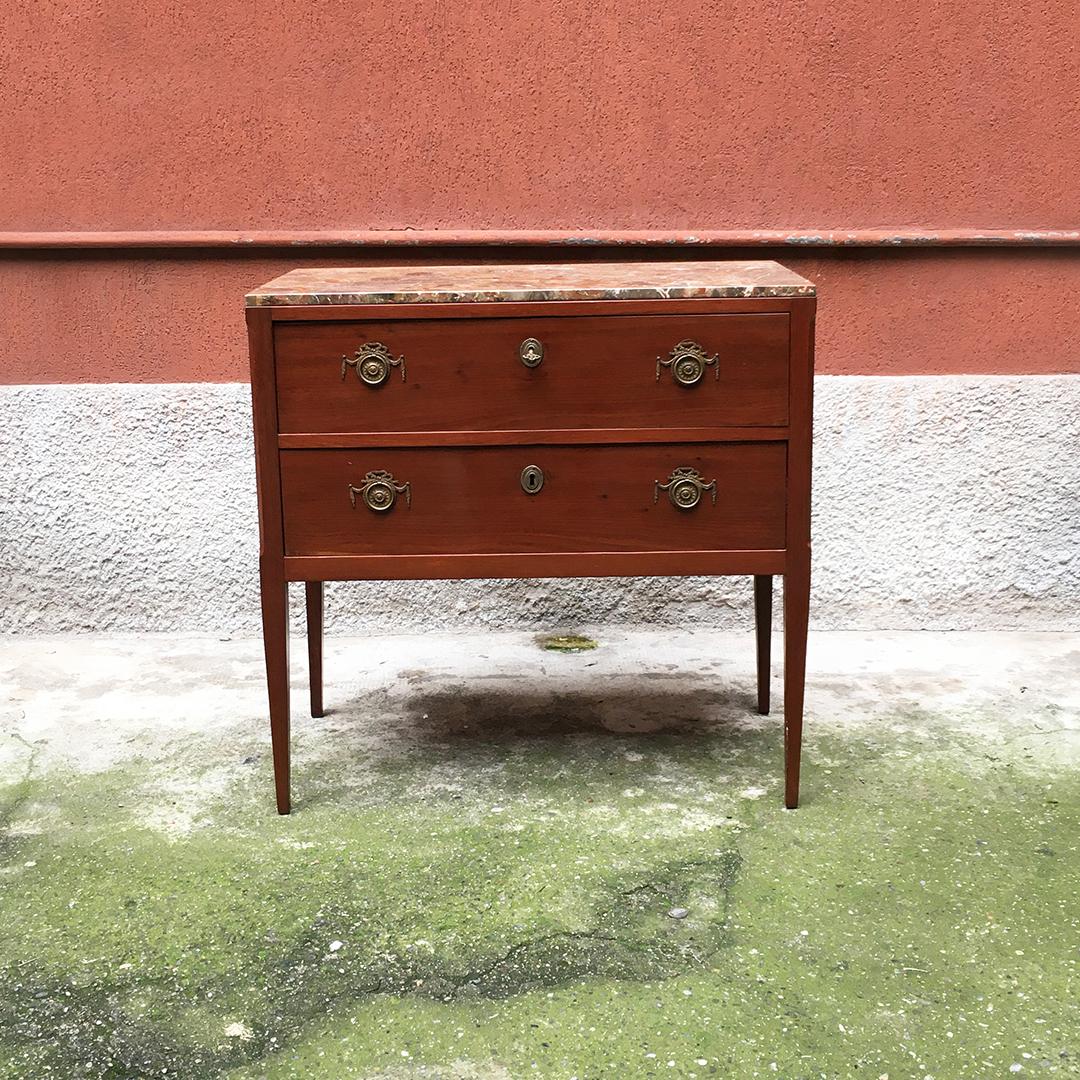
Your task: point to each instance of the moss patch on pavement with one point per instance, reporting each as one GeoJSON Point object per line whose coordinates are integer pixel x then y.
{"type": "Point", "coordinates": [503, 908]}
{"type": "Point", "coordinates": [567, 643]}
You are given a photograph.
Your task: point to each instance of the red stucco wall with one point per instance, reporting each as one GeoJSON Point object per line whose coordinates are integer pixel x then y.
{"type": "Point", "coordinates": [571, 114]}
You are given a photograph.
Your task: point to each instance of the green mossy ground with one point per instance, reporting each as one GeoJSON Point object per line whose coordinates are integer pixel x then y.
{"type": "Point", "coordinates": [918, 916]}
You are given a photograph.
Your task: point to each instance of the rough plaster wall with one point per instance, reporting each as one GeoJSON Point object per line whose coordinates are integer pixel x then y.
{"type": "Point", "coordinates": [946, 502]}
{"type": "Point", "coordinates": [627, 114]}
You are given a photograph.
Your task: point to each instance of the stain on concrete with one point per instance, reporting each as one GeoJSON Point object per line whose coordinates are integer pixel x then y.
{"type": "Point", "coordinates": [463, 709]}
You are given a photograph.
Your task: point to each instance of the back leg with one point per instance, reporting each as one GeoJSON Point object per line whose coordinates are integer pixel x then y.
{"type": "Point", "coordinates": [763, 593]}
{"type": "Point", "coordinates": [314, 597]}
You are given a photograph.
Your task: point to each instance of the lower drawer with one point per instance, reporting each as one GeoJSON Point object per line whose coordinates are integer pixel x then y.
{"type": "Point", "coordinates": [481, 500]}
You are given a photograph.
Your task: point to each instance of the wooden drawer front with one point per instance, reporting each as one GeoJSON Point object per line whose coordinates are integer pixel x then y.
{"type": "Point", "coordinates": [467, 375]}
{"type": "Point", "coordinates": [594, 498]}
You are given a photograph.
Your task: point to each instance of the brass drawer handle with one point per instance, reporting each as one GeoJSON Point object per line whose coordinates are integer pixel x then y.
{"type": "Point", "coordinates": [685, 487]}
{"type": "Point", "coordinates": [372, 364]}
{"type": "Point", "coordinates": [531, 352]}
{"type": "Point", "coordinates": [688, 363]}
{"type": "Point", "coordinates": [379, 491]}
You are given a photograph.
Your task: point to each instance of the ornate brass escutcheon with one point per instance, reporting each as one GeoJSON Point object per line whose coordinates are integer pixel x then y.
{"type": "Point", "coordinates": [684, 488]}
{"type": "Point", "coordinates": [379, 491]}
{"type": "Point", "coordinates": [532, 479]}
{"type": "Point", "coordinates": [372, 364]}
{"type": "Point", "coordinates": [688, 363]}
{"type": "Point", "coordinates": [531, 352]}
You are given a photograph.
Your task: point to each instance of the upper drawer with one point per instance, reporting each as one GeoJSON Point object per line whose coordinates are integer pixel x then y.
{"type": "Point", "coordinates": [593, 372]}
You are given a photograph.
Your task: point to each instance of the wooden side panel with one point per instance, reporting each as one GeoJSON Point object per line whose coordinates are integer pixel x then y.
{"type": "Point", "coordinates": [265, 427]}
{"type": "Point", "coordinates": [594, 498]}
{"type": "Point", "coordinates": [596, 372]}
{"type": "Point", "coordinates": [800, 435]}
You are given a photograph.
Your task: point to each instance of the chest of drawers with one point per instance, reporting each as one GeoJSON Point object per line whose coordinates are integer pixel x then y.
{"type": "Point", "coordinates": [533, 421]}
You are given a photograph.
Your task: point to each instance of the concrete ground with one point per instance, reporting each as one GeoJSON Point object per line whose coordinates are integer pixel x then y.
{"type": "Point", "coordinates": [506, 862]}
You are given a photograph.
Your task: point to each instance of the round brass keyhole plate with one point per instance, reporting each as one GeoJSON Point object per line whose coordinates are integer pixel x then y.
{"type": "Point", "coordinates": [531, 352]}
{"type": "Point", "coordinates": [532, 479]}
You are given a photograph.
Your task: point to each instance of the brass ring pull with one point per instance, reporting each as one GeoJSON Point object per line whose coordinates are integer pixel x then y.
{"type": "Point", "coordinates": [379, 491]}
{"type": "Point", "coordinates": [372, 364]}
{"type": "Point", "coordinates": [531, 352]}
{"type": "Point", "coordinates": [688, 363]}
{"type": "Point", "coordinates": [685, 487]}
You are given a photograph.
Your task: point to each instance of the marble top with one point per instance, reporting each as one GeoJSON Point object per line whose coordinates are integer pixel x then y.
{"type": "Point", "coordinates": [530, 282]}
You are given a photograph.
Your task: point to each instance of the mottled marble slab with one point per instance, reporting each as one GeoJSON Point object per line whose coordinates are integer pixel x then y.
{"type": "Point", "coordinates": [507, 282]}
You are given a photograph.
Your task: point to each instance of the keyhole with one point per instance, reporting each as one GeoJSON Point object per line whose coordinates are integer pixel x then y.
{"type": "Point", "coordinates": [532, 479]}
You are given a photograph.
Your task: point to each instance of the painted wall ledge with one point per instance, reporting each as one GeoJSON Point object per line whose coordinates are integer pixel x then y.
{"type": "Point", "coordinates": [814, 238]}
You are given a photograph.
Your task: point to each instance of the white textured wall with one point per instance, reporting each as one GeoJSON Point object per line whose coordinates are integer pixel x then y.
{"type": "Point", "coordinates": [943, 502]}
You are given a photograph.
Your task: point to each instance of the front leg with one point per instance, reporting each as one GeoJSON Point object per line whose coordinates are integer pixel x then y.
{"type": "Point", "coordinates": [275, 614]}
{"type": "Point", "coordinates": [796, 618]}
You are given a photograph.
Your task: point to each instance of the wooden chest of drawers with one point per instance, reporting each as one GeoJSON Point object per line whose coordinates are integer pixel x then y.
{"type": "Point", "coordinates": [533, 421]}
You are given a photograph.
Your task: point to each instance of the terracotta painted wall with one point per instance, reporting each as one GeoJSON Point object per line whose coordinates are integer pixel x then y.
{"type": "Point", "coordinates": [146, 318]}
{"type": "Point", "coordinates": [510, 116]}
{"type": "Point", "coordinates": [598, 113]}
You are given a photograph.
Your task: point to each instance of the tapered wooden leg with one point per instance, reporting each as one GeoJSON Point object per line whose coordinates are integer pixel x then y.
{"type": "Point", "coordinates": [314, 600]}
{"type": "Point", "coordinates": [796, 617]}
{"type": "Point", "coordinates": [275, 613]}
{"type": "Point", "coordinates": [763, 626]}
